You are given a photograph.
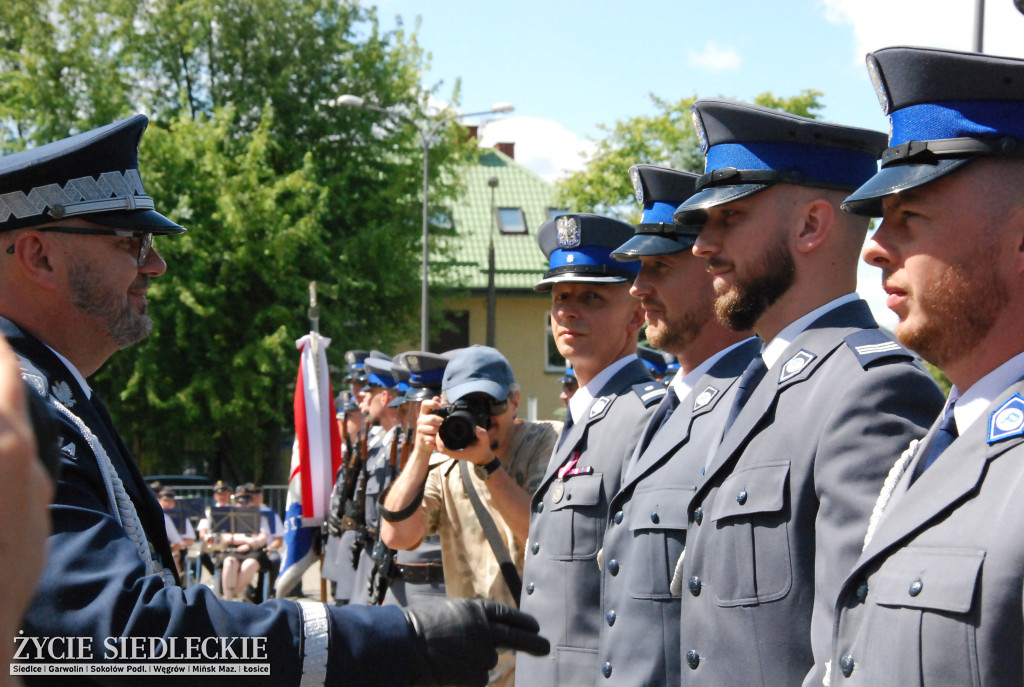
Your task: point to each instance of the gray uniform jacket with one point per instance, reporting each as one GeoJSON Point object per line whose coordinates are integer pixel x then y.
{"type": "Point", "coordinates": [780, 516]}
{"type": "Point", "coordinates": [646, 534]}
{"type": "Point", "coordinates": [378, 476]}
{"type": "Point", "coordinates": [936, 597]}
{"type": "Point", "coordinates": [561, 580]}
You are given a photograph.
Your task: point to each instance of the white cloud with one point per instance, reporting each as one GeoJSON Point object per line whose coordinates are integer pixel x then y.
{"type": "Point", "coordinates": [543, 146]}
{"type": "Point", "coordinates": [713, 58]}
{"type": "Point", "coordinates": [931, 23]}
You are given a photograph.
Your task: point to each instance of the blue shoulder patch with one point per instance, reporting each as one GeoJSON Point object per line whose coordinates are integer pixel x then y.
{"type": "Point", "coordinates": [1007, 420]}
{"type": "Point", "coordinates": [871, 345]}
{"type": "Point", "coordinates": [649, 392]}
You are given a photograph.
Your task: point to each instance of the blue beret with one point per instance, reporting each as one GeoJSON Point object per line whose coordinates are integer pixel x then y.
{"type": "Point", "coordinates": [945, 108]}
{"type": "Point", "coordinates": [659, 190]}
{"type": "Point", "coordinates": [93, 176]}
{"type": "Point", "coordinates": [748, 148]}
{"type": "Point", "coordinates": [579, 248]}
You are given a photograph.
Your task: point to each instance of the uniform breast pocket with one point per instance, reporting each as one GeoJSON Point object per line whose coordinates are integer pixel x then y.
{"type": "Point", "coordinates": [931, 593]}
{"type": "Point", "coordinates": [750, 550]}
{"type": "Point", "coordinates": [657, 523]}
{"type": "Point", "coordinates": [577, 517]}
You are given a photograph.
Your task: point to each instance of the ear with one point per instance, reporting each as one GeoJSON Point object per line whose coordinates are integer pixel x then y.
{"type": "Point", "coordinates": [816, 222]}
{"type": "Point", "coordinates": [637, 320]}
{"type": "Point", "coordinates": [32, 255]}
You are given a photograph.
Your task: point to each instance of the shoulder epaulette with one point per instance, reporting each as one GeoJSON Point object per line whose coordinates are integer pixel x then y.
{"type": "Point", "coordinates": [872, 345]}
{"type": "Point", "coordinates": [649, 392]}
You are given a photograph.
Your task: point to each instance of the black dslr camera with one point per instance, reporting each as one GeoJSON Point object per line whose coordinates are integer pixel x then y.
{"type": "Point", "coordinates": [461, 418]}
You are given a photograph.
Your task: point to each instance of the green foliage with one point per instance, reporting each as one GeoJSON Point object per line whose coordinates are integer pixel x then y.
{"type": "Point", "coordinates": [666, 138]}
{"type": "Point", "coordinates": [277, 185]}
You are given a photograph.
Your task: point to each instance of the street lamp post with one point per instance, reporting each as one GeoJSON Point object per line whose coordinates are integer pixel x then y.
{"type": "Point", "coordinates": [492, 298]}
{"type": "Point", "coordinates": [426, 131]}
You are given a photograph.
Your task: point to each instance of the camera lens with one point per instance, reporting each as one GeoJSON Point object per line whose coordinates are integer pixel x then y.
{"type": "Point", "coordinates": [458, 430]}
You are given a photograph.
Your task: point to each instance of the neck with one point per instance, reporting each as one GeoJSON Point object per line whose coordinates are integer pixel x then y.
{"type": "Point", "coordinates": [714, 337]}
{"type": "Point", "coordinates": [796, 303]}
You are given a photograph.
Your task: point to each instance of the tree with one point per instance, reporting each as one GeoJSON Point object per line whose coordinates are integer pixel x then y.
{"type": "Point", "coordinates": [276, 184]}
{"type": "Point", "coordinates": [666, 138]}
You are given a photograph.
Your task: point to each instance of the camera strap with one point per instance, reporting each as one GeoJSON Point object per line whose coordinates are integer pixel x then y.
{"type": "Point", "coordinates": [508, 569]}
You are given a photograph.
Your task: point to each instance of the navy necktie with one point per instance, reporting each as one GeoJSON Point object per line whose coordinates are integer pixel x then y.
{"type": "Point", "coordinates": [566, 427]}
{"type": "Point", "coordinates": [661, 415]}
{"type": "Point", "coordinates": [748, 381]}
{"type": "Point", "coordinates": [945, 435]}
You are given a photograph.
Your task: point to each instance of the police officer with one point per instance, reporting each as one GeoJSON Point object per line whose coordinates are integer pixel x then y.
{"type": "Point", "coordinates": [595, 322]}
{"type": "Point", "coordinates": [418, 574]}
{"type": "Point", "coordinates": [76, 259]}
{"type": "Point", "coordinates": [646, 533]}
{"type": "Point", "coordinates": [936, 596]}
{"type": "Point", "coordinates": [654, 360]}
{"type": "Point", "coordinates": [570, 385]}
{"type": "Point", "coordinates": [784, 502]}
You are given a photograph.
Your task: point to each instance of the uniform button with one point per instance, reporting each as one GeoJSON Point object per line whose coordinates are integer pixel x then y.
{"type": "Point", "coordinates": [535, 548]}
{"type": "Point", "coordinates": [655, 519]}
{"type": "Point", "coordinates": [613, 567]}
{"type": "Point", "coordinates": [695, 585]}
{"type": "Point", "coordinates": [862, 591]}
{"type": "Point", "coordinates": [915, 587]}
{"type": "Point", "coordinates": [606, 669]}
{"type": "Point", "coordinates": [610, 618]}
{"type": "Point", "coordinates": [617, 518]}
{"type": "Point", "coordinates": [741, 497]}
{"type": "Point", "coordinates": [846, 665]}
{"type": "Point", "coordinates": [698, 515]}
{"type": "Point", "coordinates": [540, 506]}
{"type": "Point", "coordinates": [692, 659]}
{"type": "Point", "coordinates": [530, 588]}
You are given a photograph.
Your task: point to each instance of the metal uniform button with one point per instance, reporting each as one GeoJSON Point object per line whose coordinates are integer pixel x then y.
{"type": "Point", "coordinates": [655, 519]}
{"type": "Point", "coordinates": [606, 669]}
{"type": "Point", "coordinates": [617, 518]}
{"type": "Point", "coordinates": [862, 591]}
{"type": "Point", "coordinates": [698, 515]}
{"type": "Point", "coordinates": [529, 588]}
{"type": "Point", "coordinates": [915, 587]}
{"type": "Point", "coordinates": [610, 618]}
{"type": "Point", "coordinates": [692, 659]}
{"type": "Point", "coordinates": [613, 567]}
{"type": "Point", "coordinates": [695, 585]}
{"type": "Point", "coordinates": [846, 665]}
{"type": "Point", "coordinates": [535, 548]}
{"type": "Point", "coordinates": [741, 497]}
{"type": "Point", "coordinates": [540, 506]}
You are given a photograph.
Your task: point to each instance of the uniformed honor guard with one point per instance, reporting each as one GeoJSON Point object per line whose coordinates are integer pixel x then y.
{"type": "Point", "coordinates": [780, 513]}
{"type": "Point", "coordinates": [594, 321]}
{"type": "Point", "coordinates": [936, 596]}
{"type": "Point", "coordinates": [418, 574]}
{"type": "Point", "coordinates": [76, 259]}
{"type": "Point", "coordinates": [570, 385]}
{"type": "Point", "coordinates": [646, 533]}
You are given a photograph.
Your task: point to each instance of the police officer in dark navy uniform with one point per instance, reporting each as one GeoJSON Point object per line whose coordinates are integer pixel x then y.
{"type": "Point", "coordinates": [780, 513]}
{"type": "Point", "coordinates": [937, 594]}
{"type": "Point", "coordinates": [646, 533]}
{"type": "Point", "coordinates": [417, 575]}
{"type": "Point", "coordinates": [76, 259]}
{"type": "Point", "coordinates": [594, 321]}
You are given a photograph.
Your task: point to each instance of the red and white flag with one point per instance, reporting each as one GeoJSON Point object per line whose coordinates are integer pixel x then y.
{"type": "Point", "coordinates": [317, 439]}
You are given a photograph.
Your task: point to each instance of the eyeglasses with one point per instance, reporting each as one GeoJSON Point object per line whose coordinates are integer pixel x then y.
{"type": "Point", "coordinates": [145, 238]}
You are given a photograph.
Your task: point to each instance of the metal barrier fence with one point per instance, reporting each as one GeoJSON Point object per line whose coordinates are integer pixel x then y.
{"type": "Point", "coordinates": [274, 495]}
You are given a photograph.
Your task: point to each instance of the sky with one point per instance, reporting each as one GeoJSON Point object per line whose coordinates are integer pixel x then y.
{"type": "Point", "coordinates": [570, 66]}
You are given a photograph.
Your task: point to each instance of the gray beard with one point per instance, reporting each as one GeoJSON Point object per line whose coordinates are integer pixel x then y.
{"type": "Point", "coordinates": [121, 323]}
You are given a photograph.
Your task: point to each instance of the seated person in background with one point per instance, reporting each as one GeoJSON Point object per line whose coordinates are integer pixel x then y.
{"type": "Point", "coordinates": [271, 560]}
{"type": "Point", "coordinates": [179, 530]}
{"type": "Point", "coordinates": [242, 562]}
{"type": "Point", "coordinates": [221, 497]}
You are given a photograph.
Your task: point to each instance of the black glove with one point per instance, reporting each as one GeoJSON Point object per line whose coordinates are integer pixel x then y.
{"type": "Point", "coordinates": [457, 640]}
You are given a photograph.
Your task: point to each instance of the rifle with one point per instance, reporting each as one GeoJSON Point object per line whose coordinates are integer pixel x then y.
{"type": "Point", "coordinates": [355, 508]}
{"type": "Point", "coordinates": [383, 556]}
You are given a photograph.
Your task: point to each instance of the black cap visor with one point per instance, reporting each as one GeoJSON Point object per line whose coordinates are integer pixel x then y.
{"type": "Point", "coordinates": [136, 220]}
{"type": "Point", "coordinates": [867, 200]}
{"type": "Point", "coordinates": [653, 244]}
{"type": "Point", "coordinates": [692, 209]}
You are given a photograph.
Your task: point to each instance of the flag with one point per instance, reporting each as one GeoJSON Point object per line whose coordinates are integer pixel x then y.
{"type": "Point", "coordinates": [316, 457]}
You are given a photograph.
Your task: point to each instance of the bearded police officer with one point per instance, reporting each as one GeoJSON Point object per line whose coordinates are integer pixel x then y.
{"type": "Point", "coordinates": [646, 533]}
{"type": "Point", "coordinates": [780, 513]}
{"type": "Point", "coordinates": [76, 259]}
{"type": "Point", "coordinates": [936, 596]}
{"type": "Point", "coordinates": [594, 321]}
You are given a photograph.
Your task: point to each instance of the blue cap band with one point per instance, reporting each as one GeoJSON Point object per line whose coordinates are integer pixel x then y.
{"type": "Point", "coordinates": [957, 119]}
{"type": "Point", "coordinates": [355, 366]}
{"type": "Point", "coordinates": [659, 213]}
{"type": "Point", "coordinates": [428, 378]}
{"type": "Point", "coordinates": [589, 255]}
{"type": "Point", "coordinates": [828, 165]}
{"type": "Point", "coordinates": [375, 379]}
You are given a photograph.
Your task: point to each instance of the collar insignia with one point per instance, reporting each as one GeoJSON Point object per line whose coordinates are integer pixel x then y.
{"type": "Point", "coordinates": [1007, 420]}
{"type": "Point", "coordinates": [705, 397]}
{"type": "Point", "coordinates": [599, 406]}
{"type": "Point", "coordinates": [795, 365]}
{"type": "Point", "coordinates": [62, 392]}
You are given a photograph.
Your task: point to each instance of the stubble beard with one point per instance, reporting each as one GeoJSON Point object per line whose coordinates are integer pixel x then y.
{"type": "Point", "coordinates": [741, 304]}
{"type": "Point", "coordinates": [112, 310]}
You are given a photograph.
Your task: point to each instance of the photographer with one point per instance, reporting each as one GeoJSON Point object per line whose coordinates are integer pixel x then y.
{"type": "Point", "coordinates": [503, 466]}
